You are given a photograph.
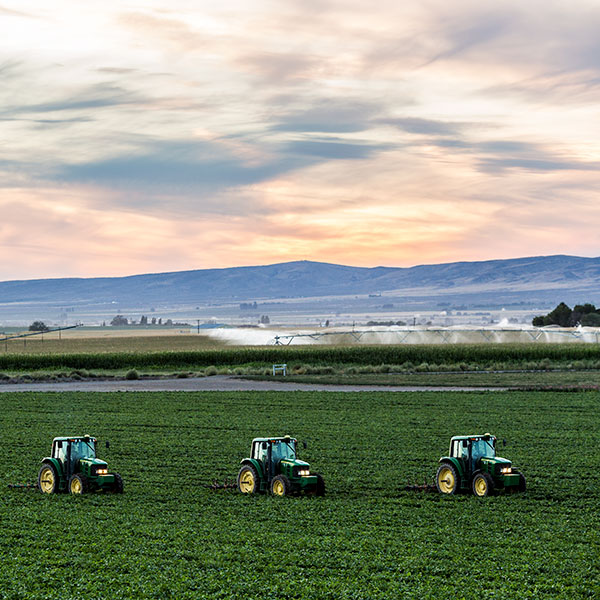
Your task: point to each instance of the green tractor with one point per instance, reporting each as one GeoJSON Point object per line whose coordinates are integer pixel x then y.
{"type": "Point", "coordinates": [74, 467]}
{"type": "Point", "coordinates": [274, 467]}
{"type": "Point", "coordinates": [473, 465]}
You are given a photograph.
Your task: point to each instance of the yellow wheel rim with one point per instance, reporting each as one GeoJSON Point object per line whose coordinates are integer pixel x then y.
{"type": "Point", "coordinates": [76, 487]}
{"type": "Point", "coordinates": [47, 480]}
{"type": "Point", "coordinates": [278, 488]}
{"type": "Point", "coordinates": [481, 486]}
{"type": "Point", "coordinates": [247, 482]}
{"type": "Point", "coordinates": [446, 480]}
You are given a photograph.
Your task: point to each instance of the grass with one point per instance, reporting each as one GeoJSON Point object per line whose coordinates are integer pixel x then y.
{"type": "Point", "coordinates": [517, 365]}
{"type": "Point", "coordinates": [169, 536]}
{"type": "Point", "coordinates": [524, 379]}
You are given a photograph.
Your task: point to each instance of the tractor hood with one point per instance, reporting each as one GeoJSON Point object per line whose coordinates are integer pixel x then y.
{"type": "Point", "coordinates": [295, 463]}
{"type": "Point", "coordinates": [93, 462]}
{"type": "Point", "coordinates": [496, 460]}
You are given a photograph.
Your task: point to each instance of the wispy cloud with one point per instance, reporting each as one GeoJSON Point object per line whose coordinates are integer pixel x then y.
{"type": "Point", "coordinates": [317, 129]}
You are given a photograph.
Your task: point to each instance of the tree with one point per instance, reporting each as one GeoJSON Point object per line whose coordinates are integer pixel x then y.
{"type": "Point", "coordinates": [119, 320]}
{"type": "Point", "coordinates": [591, 319]}
{"type": "Point", "coordinates": [580, 311]}
{"type": "Point", "coordinates": [144, 320]}
{"type": "Point", "coordinates": [38, 326]}
{"type": "Point", "coordinates": [563, 316]}
{"type": "Point", "coordinates": [560, 316]}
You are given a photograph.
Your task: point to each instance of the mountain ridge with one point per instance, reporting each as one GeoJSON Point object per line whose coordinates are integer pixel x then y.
{"type": "Point", "coordinates": [304, 278]}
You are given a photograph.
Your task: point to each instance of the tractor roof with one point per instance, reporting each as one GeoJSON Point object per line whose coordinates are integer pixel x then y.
{"type": "Point", "coordinates": [285, 438]}
{"type": "Point", "coordinates": [73, 438]}
{"type": "Point", "coordinates": [472, 437]}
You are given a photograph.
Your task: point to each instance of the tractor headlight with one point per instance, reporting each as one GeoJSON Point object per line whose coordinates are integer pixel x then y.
{"type": "Point", "coordinates": [506, 470]}
{"type": "Point", "coordinates": [101, 471]}
{"type": "Point", "coordinates": [304, 473]}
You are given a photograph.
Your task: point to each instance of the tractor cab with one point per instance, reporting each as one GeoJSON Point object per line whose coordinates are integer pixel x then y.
{"type": "Point", "coordinates": [73, 466]}
{"type": "Point", "coordinates": [274, 466]}
{"type": "Point", "coordinates": [472, 450]}
{"type": "Point", "coordinates": [472, 464]}
{"type": "Point", "coordinates": [75, 453]}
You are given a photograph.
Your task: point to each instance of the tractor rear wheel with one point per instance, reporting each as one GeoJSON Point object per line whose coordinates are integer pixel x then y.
{"type": "Point", "coordinates": [247, 480]}
{"type": "Point", "coordinates": [483, 485]}
{"type": "Point", "coordinates": [320, 489]}
{"type": "Point", "coordinates": [78, 484]}
{"type": "Point", "coordinates": [118, 484]}
{"type": "Point", "coordinates": [280, 486]}
{"type": "Point", "coordinates": [48, 479]}
{"type": "Point", "coordinates": [447, 479]}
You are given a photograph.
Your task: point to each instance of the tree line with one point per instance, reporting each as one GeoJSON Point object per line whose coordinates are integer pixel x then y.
{"type": "Point", "coordinates": [581, 314]}
{"type": "Point", "coordinates": [120, 320]}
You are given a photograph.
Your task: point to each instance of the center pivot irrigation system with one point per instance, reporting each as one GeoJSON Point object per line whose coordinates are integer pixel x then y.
{"type": "Point", "coordinates": [444, 336]}
{"type": "Point", "coordinates": [33, 333]}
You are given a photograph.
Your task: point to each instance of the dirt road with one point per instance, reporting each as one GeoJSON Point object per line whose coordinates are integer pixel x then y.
{"type": "Point", "coordinates": [217, 383]}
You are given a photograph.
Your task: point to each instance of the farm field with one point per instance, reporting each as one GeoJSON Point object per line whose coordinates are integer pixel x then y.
{"type": "Point", "coordinates": [77, 341]}
{"type": "Point", "coordinates": [169, 536]}
{"type": "Point", "coordinates": [516, 365]}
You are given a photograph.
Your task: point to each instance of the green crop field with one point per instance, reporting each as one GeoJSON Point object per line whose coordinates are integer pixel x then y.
{"type": "Point", "coordinates": [170, 536]}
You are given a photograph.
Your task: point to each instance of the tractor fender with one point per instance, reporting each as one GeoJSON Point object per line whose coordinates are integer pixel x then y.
{"type": "Point", "coordinates": [476, 472]}
{"type": "Point", "coordinates": [56, 464]}
{"type": "Point", "coordinates": [455, 463]}
{"type": "Point", "coordinates": [256, 464]}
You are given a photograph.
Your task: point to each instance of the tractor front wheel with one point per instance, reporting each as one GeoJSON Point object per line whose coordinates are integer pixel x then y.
{"type": "Point", "coordinates": [483, 485]}
{"type": "Point", "coordinates": [280, 486]}
{"type": "Point", "coordinates": [522, 481]}
{"type": "Point", "coordinates": [320, 489]}
{"type": "Point", "coordinates": [447, 479]}
{"type": "Point", "coordinates": [118, 484]}
{"type": "Point", "coordinates": [48, 479]}
{"type": "Point", "coordinates": [78, 484]}
{"type": "Point", "coordinates": [247, 480]}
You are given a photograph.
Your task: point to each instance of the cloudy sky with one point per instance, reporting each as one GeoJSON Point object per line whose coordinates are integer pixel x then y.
{"type": "Point", "coordinates": [145, 135]}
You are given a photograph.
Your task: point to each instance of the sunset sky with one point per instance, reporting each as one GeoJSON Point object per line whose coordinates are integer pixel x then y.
{"type": "Point", "coordinates": [147, 136]}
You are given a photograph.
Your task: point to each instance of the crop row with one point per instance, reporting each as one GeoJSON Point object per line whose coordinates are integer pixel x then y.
{"type": "Point", "coordinates": [169, 536]}
{"type": "Point", "coordinates": [476, 354]}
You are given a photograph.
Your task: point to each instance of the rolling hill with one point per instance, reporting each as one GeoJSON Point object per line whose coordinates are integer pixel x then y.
{"type": "Point", "coordinates": [543, 278]}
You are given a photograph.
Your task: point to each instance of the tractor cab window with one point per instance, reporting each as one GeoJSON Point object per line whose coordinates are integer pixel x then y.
{"type": "Point", "coordinates": [459, 449]}
{"type": "Point", "coordinates": [259, 452]}
{"type": "Point", "coordinates": [60, 451]}
{"type": "Point", "coordinates": [481, 448]}
{"type": "Point", "coordinates": [281, 450]}
{"type": "Point", "coordinates": [82, 449]}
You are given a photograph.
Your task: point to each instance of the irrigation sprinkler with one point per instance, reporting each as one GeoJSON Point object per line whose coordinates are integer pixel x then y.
{"type": "Point", "coordinates": [443, 335]}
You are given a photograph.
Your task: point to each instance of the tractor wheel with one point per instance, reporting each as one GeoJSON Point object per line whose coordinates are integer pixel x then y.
{"type": "Point", "coordinates": [447, 479]}
{"type": "Point", "coordinates": [247, 481]}
{"type": "Point", "coordinates": [78, 484]}
{"type": "Point", "coordinates": [48, 479]}
{"type": "Point", "coordinates": [522, 481]}
{"type": "Point", "coordinates": [280, 486]}
{"type": "Point", "coordinates": [118, 484]}
{"type": "Point", "coordinates": [320, 489]}
{"type": "Point", "coordinates": [483, 485]}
